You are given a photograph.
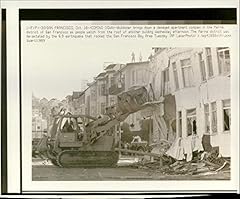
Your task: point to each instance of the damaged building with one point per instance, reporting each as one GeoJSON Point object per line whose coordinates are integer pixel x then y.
{"type": "Point", "coordinates": [195, 86]}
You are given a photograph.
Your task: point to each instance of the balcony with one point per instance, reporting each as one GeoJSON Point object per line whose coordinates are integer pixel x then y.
{"type": "Point", "coordinates": [116, 89]}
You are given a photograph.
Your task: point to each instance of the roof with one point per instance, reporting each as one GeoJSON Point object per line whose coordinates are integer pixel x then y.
{"type": "Point", "coordinates": [101, 74]}
{"type": "Point", "coordinates": [137, 63]}
{"type": "Point", "coordinates": [111, 66]}
{"type": "Point", "coordinates": [43, 99]}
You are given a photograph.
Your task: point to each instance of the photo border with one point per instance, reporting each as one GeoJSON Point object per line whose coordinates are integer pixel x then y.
{"type": "Point", "coordinates": [203, 16]}
{"type": "Point", "coordinates": [4, 133]}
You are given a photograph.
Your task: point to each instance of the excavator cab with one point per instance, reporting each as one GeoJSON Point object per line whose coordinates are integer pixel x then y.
{"type": "Point", "coordinates": [71, 131]}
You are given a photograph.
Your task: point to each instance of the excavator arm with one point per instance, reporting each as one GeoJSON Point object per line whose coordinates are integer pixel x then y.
{"type": "Point", "coordinates": [128, 102]}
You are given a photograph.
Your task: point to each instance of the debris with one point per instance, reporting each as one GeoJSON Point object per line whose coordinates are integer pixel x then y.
{"type": "Point", "coordinates": [172, 160]}
{"type": "Point", "coordinates": [210, 163]}
{"type": "Point", "coordinates": [185, 146]}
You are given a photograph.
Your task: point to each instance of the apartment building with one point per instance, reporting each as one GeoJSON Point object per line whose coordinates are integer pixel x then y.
{"type": "Point", "coordinates": [195, 84]}
{"type": "Point", "coordinates": [135, 75]}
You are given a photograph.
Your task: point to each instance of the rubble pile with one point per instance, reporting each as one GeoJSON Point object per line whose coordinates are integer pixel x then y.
{"type": "Point", "coordinates": [201, 162]}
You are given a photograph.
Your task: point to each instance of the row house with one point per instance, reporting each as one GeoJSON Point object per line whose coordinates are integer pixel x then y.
{"type": "Point", "coordinates": [195, 84]}
{"type": "Point", "coordinates": [111, 84]}
{"type": "Point", "coordinates": [98, 95]}
{"type": "Point", "coordinates": [133, 75]}
{"type": "Point", "coordinates": [136, 75]}
{"type": "Point", "coordinates": [103, 91]}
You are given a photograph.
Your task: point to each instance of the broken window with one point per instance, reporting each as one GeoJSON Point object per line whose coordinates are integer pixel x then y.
{"type": "Point", "coordinates": [191, 122]}
{"type": "Point", "coordinates": [214, 117]}
{"type": "Point", "coordinates": [223, 60]}
{"type": "Point", "coordinates": [175, 74]}
{"type": "Point", "coordinates": [209, 62]}
{"type": "Point", "coordinates": [226, 114]}
{"type": "Point", "coordinates": [202, 66]}
{"type": "Point", "coordinates": [187, 72]}
{"type": "Point", "coordinates": [207, 118]}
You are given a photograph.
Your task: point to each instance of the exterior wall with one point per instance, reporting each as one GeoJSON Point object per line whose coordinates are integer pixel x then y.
{"type": "Point", "coordinates": [101, 97]}
{"type": "Point", "coordinates": [158, 64]}
{"type": "Point", "coordinates": [213, 89]}
{"type": "Point", "coordinates": [162, 87]}
{"type": "Point", "coordinates": [136, 74]}
{"type": "Point", "coordinates": [111, 99]}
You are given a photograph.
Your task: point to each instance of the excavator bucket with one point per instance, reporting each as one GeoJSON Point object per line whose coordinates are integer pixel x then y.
{"type": "Point", "coordinates": [132, 100]}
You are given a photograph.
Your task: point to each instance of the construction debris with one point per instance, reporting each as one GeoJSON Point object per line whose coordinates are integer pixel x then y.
{"type": "Point", "coordinates": [183, 148]}
{"type": "Point", "coordinates": [200, 164]}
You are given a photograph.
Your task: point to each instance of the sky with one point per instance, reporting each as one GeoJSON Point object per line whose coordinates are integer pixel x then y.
{"type": "Point", "coordinates": [55, 68]}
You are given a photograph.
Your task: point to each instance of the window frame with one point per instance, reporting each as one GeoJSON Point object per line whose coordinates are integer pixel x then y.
{"type": "Point", "coordinates": [189, 67]}
{"type": "Point", "coordinates": [221, 67]}
{"type": "Point", "coordinates": [203, 72]}
{"type": "Point", "coordinates": [208, 62]}
{"type": "Point", "coordinates": [191, 116]}
{"type": "Point", "coordinates": [214, 111]}
{"type": "Point", "coordinates": [207, 114]}
{"type": "Point", "coordinates": [226, 108]}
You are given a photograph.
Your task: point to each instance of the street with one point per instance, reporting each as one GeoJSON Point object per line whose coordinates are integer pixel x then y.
{"type": "Point", "coordinates": [123, 171]}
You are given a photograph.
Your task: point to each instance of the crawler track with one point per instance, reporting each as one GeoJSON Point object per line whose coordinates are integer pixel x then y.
{"type": "Point", "coordinates": [76, 158]}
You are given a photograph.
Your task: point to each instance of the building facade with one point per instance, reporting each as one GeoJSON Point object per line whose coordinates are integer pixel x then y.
{"type": "Point", "coordinates": [197, 82]}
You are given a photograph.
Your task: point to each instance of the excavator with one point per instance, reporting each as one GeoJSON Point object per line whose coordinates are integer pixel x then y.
{"type": "Point", "coordinates": [85, 141]}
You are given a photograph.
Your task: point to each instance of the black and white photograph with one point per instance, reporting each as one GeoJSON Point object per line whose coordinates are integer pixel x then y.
{"type": "Point", "coordinates": [133, 111]}
{"type": "Point", "coordinates": [119, 98]}
{"type": "Point", "coordinates": [164, 116]}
